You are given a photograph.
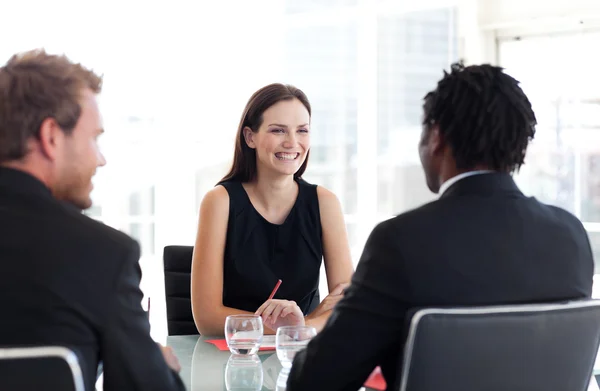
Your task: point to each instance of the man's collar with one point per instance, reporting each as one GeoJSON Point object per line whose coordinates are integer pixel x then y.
{"type": "Point", "coordinates": [458, 177]}
{"type": "Point", "coordinates": [19, 181]}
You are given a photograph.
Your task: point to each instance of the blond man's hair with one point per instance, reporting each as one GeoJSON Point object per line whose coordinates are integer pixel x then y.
{"type": "Point", "coordinates": [35, 86]}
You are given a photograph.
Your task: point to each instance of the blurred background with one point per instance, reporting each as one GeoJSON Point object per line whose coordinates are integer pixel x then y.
{"type": "Point", "coordinates": [178, 74]}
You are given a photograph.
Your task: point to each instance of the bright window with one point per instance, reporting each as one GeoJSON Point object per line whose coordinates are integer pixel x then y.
{"type": "Point", "coordinates": [563, 163]}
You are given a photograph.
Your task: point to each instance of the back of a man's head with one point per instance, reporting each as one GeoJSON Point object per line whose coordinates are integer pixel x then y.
{"type": "Point", "coordinates": [44, 98]}
{"type": "Point", "coordinates": [483, 115]}
{"type": "Point", "coordinates": [35, 85]}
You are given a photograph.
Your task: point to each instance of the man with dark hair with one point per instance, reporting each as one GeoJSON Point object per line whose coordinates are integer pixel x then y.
{"type": "Point", "coordinates": [66, 279]}
{"type": "Point", "coordinates": [481, 243]}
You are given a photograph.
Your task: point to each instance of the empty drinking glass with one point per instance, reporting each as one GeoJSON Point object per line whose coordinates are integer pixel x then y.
{"type": "Point", "coordinates": [243, 373]}
{"type": "Point", "coordinates": [289, 340]}
{"type": "Point", "coordinates": [243, 333]}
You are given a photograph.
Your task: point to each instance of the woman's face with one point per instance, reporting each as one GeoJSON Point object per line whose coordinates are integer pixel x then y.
{"type": "Point", "coordinates": [283, 139]}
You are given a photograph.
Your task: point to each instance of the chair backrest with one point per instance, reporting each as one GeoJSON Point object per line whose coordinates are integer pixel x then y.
{"type": "Point", "coordinates": [40, 368]}
{"type": "Point", "coordinates": [178, 268]}
{"type": "Point", "coordinates": [542, 347]}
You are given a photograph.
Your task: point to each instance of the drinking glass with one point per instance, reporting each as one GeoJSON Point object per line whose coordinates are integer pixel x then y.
{"type": "Point", "coordinates": [243, 333]}
{"type": "Point", "coordinates": [289, 340]}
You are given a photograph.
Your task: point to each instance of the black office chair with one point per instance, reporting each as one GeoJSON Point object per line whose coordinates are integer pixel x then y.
{"type": "Point", "coordinates": [40, 368]}
{"type": "Point", "coordinates": [546, 347]}
{"type": "Point", "coordinates": [177, 268]}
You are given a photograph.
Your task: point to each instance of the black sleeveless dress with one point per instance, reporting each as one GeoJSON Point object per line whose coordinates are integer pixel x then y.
{"type": "Point", "coordinates": [258, 253]}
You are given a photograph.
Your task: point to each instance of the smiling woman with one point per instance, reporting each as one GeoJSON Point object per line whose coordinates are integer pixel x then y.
{"type": "Point", "coordinates": [283, 112]}
{"type": "Point", "coordinates": [263, 223]}
{"type": "Point", "coordinates": [282, 148]}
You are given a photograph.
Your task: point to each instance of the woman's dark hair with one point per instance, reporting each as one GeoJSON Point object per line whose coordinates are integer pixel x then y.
{"type": "Point", "coordinates": [243, 168]}
{"type": "Point", "coordinates": [483, 115]}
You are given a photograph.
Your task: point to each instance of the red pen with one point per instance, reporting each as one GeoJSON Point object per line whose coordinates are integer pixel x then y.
{"type": "Point", "coordinates": [275, 289]}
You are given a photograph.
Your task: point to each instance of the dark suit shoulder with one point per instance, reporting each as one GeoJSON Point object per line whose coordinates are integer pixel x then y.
{"type": "Point", "coordinates": [97, 233]}
{"type": "Point", "coordinates": [465, 208]}
{"type": "Point", "coordinates": [413, 216]}
{"type": "Point", "coordinates": [560, 213]}
{"type": "Point", "coordinates": [563, 217]}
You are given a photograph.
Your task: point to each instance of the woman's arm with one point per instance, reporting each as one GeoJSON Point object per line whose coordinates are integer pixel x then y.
{"type": "Point", "coordinates": [336, 250]}
{"type": "Point", "coordinates": [207, 265]}
{"type": "Point", "coordinates": [336, 254]}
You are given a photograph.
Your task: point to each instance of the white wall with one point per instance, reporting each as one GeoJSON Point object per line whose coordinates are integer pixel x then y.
{"type": "Point", "coordinates": [500, 14]}
{"type": "Point", "coordinates": [481, 23]}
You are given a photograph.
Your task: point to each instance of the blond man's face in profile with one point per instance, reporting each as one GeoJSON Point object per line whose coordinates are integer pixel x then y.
{"type": "Point", "coordinates": [80, 155]}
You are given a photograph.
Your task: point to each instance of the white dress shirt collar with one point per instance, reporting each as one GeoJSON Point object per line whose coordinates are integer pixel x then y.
{"type": "Point", "coordinates": [458, 177]}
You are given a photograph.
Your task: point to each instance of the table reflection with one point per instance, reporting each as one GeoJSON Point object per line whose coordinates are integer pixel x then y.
{"type": "Point", "coordinates": [282, 379]}
{"type": "Point", "coordinates": [243, 373]}
{"type": "Point", "coordinates": [212, 369]}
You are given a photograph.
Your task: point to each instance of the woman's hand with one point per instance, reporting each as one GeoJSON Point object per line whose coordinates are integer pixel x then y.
{"type": "Point", "coordinates": [276, 313]}
{"type": "Point", "coordinates": [330, 301]}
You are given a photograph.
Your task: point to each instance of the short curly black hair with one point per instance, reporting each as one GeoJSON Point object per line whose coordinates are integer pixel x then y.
{"type": "Point", "coordinates": [484, 115]}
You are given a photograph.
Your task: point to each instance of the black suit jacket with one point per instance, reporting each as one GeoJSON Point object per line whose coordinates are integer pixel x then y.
{"type": "Point", "coordinates": [69, 280]}
{"type": "Point", "coordinates": [482, 243]}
